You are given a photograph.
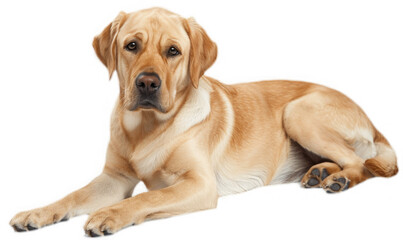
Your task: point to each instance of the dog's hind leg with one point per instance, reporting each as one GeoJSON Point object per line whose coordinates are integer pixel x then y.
{"type": "Point", "coordinates": [332, 126]}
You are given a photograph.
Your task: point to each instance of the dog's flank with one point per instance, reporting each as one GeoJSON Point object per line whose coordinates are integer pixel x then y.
{"type": "Point", "coordinates": [298, 162]}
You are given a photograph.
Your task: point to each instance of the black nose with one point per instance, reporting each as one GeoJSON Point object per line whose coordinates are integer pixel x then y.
{"type": "Point", "coordinates": [148, 83]}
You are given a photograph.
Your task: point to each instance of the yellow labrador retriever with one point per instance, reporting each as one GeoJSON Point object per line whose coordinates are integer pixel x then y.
{"type": "Point", "coordinates": [191, 139]}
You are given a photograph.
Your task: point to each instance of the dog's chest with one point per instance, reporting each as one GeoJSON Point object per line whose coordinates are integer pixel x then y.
{"type": "Point", "coordinates": [151, 151]}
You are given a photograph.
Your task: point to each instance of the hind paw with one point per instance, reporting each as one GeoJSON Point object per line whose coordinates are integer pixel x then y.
{"type": "Point", "coordinates": [335, 184]}
{"type": "Point", "coordinates": [318, 173]}
{"type": "Point", "coordinates": [315, 178]}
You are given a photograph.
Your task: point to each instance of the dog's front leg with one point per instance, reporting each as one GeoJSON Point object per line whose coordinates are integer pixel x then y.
{"type": "Point", "coordinates": [106, 189]}
{"type": "Point", "coordinates": [191, 192]}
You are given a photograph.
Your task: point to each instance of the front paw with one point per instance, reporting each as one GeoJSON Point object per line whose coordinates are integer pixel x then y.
{"type": "Point", "coordinates": [37, 218]}
{"type": "Point", "coordinates": [107, 221]}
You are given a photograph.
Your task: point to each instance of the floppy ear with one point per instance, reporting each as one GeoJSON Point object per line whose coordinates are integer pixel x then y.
{"type": "Point", "coordinates": [203, 51]}
{"type": "Point", "coordinates": [105, 43]}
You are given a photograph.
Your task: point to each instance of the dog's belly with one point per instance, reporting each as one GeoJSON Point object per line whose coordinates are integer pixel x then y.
{"type": "Point", "coordinates": [229, 183]}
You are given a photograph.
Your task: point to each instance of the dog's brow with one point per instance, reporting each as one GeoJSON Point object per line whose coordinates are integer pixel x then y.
{"type": "Point", "coordinates": [172, 41]}
{"type": "Point", "coordinates": [138, 35]}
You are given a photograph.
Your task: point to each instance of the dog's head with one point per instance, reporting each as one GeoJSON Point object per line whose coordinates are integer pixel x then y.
{"type": "Point", "coordinates": [157, 55]}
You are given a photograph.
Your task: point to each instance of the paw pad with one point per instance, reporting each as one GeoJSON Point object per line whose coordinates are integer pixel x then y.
{"type": "Point", "coordinates": [325, 174]}
{"type": "Point", "coordinates": [337, 185]}
{"type": "Point", "coordinates": [315, 172]}
{"type": "Point", "coordinates": [313, 181]}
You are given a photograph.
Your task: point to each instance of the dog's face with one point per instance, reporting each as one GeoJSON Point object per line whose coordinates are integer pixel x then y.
{"type": "Point", "coordinates": [157, 54]}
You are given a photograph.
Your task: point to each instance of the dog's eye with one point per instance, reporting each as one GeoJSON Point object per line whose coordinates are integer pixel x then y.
{"type": "Point", "coordinates": [172, 51]}
{"type": "Point", "coordinates": [131, 46]}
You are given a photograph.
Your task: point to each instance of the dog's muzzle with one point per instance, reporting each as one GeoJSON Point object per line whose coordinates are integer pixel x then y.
{"type": "Point", "coordinates": [148, 85]}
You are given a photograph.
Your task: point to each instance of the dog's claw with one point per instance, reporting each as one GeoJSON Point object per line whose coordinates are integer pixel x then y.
{"type": "Point", "coordinates": [93, 234]}
{"type": "Point", "coordinates": [64, 219]}
{"type": "Point", "coordinates": [31, 228]}
{"type": "Point", "coordinates": [17, 228]}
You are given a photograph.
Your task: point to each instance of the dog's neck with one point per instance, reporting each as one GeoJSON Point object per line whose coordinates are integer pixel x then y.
{"type": "Point", "coordinates": [192, 105]}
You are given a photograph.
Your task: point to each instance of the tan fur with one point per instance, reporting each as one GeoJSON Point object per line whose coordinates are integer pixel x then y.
{"type": "Point", "coordinates": [208, 139]}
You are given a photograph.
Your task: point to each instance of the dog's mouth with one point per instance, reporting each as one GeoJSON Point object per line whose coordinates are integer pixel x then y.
{"type": "Point", "coordinates": [147, 104]}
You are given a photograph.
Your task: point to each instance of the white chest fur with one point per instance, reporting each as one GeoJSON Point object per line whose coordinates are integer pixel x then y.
{"type": "Point", "coordinates": [153, 150]}
{"type": "Point", "coordinates": [131, 120]}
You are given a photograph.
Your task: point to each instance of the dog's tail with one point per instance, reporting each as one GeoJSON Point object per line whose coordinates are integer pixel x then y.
{"type": "Point", "coordinates": [384, 164]}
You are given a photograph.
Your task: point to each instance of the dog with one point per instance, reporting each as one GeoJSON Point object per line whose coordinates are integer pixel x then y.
{"type": "Point", "coordinates": [192, 139]}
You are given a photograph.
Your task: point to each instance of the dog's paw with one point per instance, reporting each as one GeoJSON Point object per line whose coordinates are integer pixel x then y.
{"type": "Point", "coordinates": [315, 177]}
{"type": "Point", "coordinates": [318, 173]}
{"type": "Point", "coordinates": [37, 218]}
{"type": "Point", "coordinates": [106, 221]}
{"type": "Point", "coordinates": [336, 184]}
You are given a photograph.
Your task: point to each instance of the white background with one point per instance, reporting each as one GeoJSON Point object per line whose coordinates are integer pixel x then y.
{"type": "Point", "coordinates": [55, 104]}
